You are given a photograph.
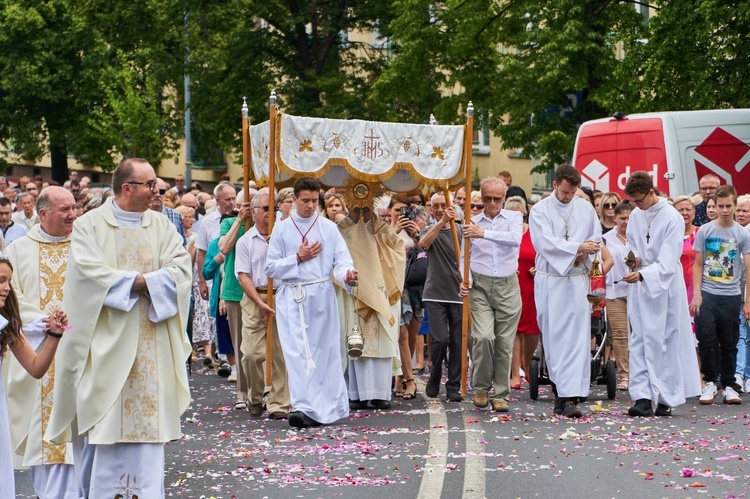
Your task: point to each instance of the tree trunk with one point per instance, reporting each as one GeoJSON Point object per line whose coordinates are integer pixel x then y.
{"type": "Point", "coordinates": [59, 157]}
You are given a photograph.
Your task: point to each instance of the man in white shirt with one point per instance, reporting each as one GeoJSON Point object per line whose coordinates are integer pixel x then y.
{"type": "Point", "coordinates": [11, 230]}
{"type": "Point", "coordinates": [250, 265]}
{"type": "Point", "coordinates": [495, 296]}
{"type": "Point", "coordinates": [27, 214]}
{"type": "Point", "coordinates": [226, 196]}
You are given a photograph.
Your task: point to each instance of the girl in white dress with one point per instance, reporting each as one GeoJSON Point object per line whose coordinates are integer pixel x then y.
{"type": "Point", "coordinates": [11, 338]}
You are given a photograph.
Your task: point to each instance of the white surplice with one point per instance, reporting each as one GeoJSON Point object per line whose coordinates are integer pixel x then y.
{"type": "Point", "coordinates": [312, 351]}
{"type": "Point", "coordinates": [7, 478]}
{"type": "Point", "coordinates": [39, 262]}
{"type": "Point", "coordinates": [560, 289]}
{"type": "Point", "coordinates": [121, 369]}
{"type": "Point", "coordinates": [663, 364]}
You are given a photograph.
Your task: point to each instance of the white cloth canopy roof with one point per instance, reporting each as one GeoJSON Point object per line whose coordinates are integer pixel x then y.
{"type": "Point", "coordinates": [401, 156]}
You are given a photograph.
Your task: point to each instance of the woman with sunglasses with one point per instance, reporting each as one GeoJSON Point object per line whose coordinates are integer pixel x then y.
{"type": "Point", "coordinates": [607, 211]}
{"type": "Point", "coordinates": [476, 203]}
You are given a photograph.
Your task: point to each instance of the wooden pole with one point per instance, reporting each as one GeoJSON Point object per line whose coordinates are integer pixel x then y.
{"type": "Point", "coordinates": [454, 231]}
{"type": "Point", "coordinates": [245, 155]}
{"type": "Point", "coordinates": [468, 151]}
{"type": "Point", "coordinates": [271, 220]}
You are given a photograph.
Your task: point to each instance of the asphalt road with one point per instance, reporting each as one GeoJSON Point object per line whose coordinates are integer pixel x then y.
{"type": "Point", "coordinates": [430, 448]}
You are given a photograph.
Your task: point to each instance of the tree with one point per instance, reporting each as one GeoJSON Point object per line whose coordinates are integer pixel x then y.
{"type": "Point", "coordinates": [694, 56]}
{"type": "Point", "coordinates": [299, 48]}
{"type": "Point", "coordinates": [90, 79]}
{"type": "Point", "coordinates": [520, 62]}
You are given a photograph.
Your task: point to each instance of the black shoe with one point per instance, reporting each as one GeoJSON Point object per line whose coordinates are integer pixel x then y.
{"type": "Point", "coordinates": [299, 419]}
{"type": "Point", "coordinates": [559, 405]}
{"type": "Point", "coordinates": [432, 389]}
{"type": "Point", "coordinates": [663, 410]}
{"type": "Point", "coordinates": [357, 405]}
{"type": "Point", "coordinates": [224, 370]}
{"type": "Point", "coordinates": [453, 396]}
{"type": "Point", "coordinates": [642, 409]}
{"type": "Point", "coordinates": [571, 410]}
{"type": "Point", "coordinates": [380, 404]}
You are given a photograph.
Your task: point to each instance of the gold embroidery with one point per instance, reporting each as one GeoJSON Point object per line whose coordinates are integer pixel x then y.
{"type": "Point", "coordinates": [53, 263]}
{"type": "Point", "coordinates": [305, 145]}
{"type": "Point", "coordinates": [126, 489]}
{"type": "Point", "coordinates": [140, 404]}
{"type": "Point", "coordinates": [437, 152]}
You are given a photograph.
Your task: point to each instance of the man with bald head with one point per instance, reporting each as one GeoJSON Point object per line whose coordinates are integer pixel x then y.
{"type": "Point", "coordinates": [122, 375]}
{"type": "Point", "coordinates": [40, 263]}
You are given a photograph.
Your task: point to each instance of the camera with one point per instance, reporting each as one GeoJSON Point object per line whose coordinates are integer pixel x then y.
{"type": "Point", "coordinates": [409, 212]}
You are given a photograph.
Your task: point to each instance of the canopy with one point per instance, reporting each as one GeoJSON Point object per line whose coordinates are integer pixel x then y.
{"type": "Point", "coordinates": [402, 157]}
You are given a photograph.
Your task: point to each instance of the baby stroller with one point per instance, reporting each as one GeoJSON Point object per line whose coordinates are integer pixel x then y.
{"type": "Point", "coordinates": [603, 370]}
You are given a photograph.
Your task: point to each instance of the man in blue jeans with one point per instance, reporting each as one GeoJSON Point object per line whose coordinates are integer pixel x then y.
{"type": "Point", "coordinates": [721, 248]}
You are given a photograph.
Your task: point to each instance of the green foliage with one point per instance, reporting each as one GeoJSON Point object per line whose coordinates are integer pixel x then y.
{"type": "Point", "coordinates": [90, 79]}
{"type": "Point", "coordinates": [246, 48]}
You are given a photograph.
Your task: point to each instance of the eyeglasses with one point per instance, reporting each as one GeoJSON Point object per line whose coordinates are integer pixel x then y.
{"type": "Point", "coordinates": [639, 202]}
{"type": "Point", "coordinates": [492, 199]}
{"type": "Point", "coordinates": [265, 208]}
{"type": "Point", "coordinates": [477, 206]}
{"type": "Point", "coordinates": [609, 206]}
{"type": "Point", "coordinates": [150, 185]}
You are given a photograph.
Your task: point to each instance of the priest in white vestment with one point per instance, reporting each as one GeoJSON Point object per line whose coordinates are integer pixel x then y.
{"type": "Point", "coordinates": [122, 374]}
{"type": "Point", "coordinates": [40, 262]}
{"type": "Point", "coordinates": [305, 250]}
{"type": "Point", "coordinates": [565, 232]}
{"type": "Point", "coordinates": [375, 308]}
{"type": "Point", "coordinates": [663, 365]}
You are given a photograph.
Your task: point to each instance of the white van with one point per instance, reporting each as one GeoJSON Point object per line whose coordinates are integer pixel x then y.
{"type": "Point", "coordinates": [676, 148]}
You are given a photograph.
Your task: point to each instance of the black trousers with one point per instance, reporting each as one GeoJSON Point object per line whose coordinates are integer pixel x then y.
{"type": "Point", "coordinates": [445, 329]}
{"type": "Point", "coordinates": [717, 328]}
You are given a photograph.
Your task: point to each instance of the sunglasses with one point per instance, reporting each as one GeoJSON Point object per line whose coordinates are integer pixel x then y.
{"type": "Point", "coordinates": [609, 206]}
{"type": "Point", "coordinates": [477, 206]}
{"type": "Point", "coordinates": [491, 199]}
{"type": "Point", "coordinates": [162, 191]}
{"type": "Point", "coordinates": [332, 195]}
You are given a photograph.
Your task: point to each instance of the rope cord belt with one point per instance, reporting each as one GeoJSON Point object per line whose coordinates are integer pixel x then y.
{"type": "Point", "coordinates": [298, 295]}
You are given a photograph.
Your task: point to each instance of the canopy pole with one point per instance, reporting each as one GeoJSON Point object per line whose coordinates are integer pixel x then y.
{"type": "Point", "coordinates": [271, 220]}
{"type": "Point", "coordinates": [468, 151]}
{"type": "Point", "coordinates": [454, 231]}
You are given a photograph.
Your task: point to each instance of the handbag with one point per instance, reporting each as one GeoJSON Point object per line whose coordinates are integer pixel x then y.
{"type": "Point", "coordinates": [416, 269]}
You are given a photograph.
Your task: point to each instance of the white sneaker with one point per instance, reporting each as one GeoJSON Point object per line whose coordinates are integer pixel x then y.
{"type": "Point", "coordinates": [730, 396]}
{"type": "Point", "coordinates": [738, 380]}
{"type": "Point", "coordinates": [232, 378]}
{"type": "Point", "coordinates": [746, 389]}
{"type": "Point", "coordinates": [709, 392]}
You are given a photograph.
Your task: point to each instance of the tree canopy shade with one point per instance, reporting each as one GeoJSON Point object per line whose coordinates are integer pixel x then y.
{"type": "Point", "coordinates": [89, 79]}
{"type": "Point", "coordinates": [300, 48]}
{"type": "Point", "coordinates": [98, 79]}
{"type": "Point", "coordinates": [695, 56]}
{"type": "Point", "coordinates": [535, 68]}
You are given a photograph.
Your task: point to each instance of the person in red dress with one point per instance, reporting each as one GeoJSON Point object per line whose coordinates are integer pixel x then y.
{"type": "Point", "coordinates": [527, 335]}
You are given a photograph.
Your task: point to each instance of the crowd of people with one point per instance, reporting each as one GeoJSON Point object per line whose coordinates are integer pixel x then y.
{"type": "Point", "coordinates": [365, 299]}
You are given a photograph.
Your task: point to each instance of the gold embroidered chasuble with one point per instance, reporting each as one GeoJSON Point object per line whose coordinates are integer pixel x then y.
{"type": "Point", "coordinates": [39, 273]}
{"type": "Point", "coordinates": [121, 374]}
{"type": "Point", "coordinates": [377, 299]}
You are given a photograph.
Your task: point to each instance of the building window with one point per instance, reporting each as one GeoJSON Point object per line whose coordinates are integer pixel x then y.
{"type": "Point", "coordinates": [481, 135]}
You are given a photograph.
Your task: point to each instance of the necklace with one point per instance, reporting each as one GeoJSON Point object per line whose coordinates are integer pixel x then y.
{"type": "Point", "coordinates": [649, 222]}
{"type": "Point", "coordinates": [622, 239]}
{"type": "Point", "coordinates": [566, 221]}
{"type": "Point", "coordinates": [304, 236]}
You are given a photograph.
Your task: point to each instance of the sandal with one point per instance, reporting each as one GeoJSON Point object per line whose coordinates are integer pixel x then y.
{"type": "Point", "coordinates": [241, 405]}
{"type": "Point", "coordinates": [398, 388]}
{"type": "Point", "coordinates": [409, 395]}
